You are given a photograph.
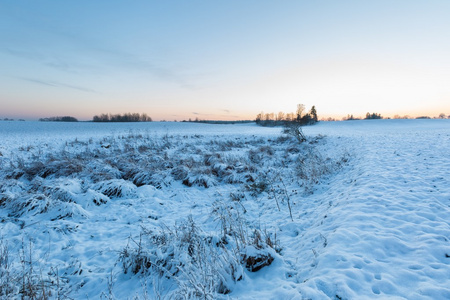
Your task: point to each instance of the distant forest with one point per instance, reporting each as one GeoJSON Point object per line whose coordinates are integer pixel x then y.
{"type": "Point", "coordinates": [369, 116]}
{"type": "Point", "coordinates": [59, 119]}
{"type": "Point", "coordinates": [127, 117]}
{"type": "Point", "coordinates": [281, 118]}
{"type": "Point", "coordinates": [197, 120]}
{"type": "Point", "coordinates": [8, 119]}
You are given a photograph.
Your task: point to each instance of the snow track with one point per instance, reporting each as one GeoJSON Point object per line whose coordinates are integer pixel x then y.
{"type": "Point", "coordinates": [388, 228]}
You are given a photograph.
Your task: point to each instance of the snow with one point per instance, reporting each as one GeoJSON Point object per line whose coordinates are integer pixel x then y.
{"type": "Point", "coordinates": [38, 134]}
{"type": "Point", "coordinates": [370, 212]}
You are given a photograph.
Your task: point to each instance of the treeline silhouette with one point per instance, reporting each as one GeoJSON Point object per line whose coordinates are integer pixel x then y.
{"type": "Point", "coordinates": [197, 120]}
{"type": "Point", "coordinates": [127, 117]}
{"type": "Point", "coordinates": [373, 116]}
{"type": "Point", "coordinates": [59, 119]}
{"type": "Point", "coordinates": [8, 119]}
{"type": "Point", "coordinates": [369, 116]}
{"type": "Point", "coordinates": [281, 119]}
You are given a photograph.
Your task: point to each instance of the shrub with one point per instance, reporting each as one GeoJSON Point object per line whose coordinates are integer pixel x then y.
{"type": "Point", "coordinates": [294, 129]}
{"type": "Point", "coordinates": [311, 166]}
{"type": "Point", "coordinates": [199, 264]}
{"type": "Point", "coordinates": [200, 178]}
{"type": "Point", "coordinates": [116, 188]}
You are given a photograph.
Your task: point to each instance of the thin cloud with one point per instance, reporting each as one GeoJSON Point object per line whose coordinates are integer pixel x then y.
{"type": "Point", "coordinates": [158, 70]}
{"type": "Point", "coordinates": [105, 59]}
{"type": "Point", "coordinates": [50, 60]}
{"type": "Point", "coordinates": [58, 84]}
{"type": "Point", "coordinates": [23, 54]}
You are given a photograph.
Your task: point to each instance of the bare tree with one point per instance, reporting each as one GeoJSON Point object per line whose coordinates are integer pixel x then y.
{"type": "Point", "coordinates": [280, 116]}
{"type": "Point", "coordinates": [300, 110]}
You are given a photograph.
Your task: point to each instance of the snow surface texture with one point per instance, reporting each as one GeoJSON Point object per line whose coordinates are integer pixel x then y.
{"type": "Point", "coordinates": [176, 210]}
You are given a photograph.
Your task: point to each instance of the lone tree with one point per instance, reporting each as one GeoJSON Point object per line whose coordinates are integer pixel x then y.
{"type": "Point", "coordinates": [300, 110]}
{"type": "Point", "coordinates": [313, 114]}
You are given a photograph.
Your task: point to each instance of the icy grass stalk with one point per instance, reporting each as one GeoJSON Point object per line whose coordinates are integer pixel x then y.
{"type": "Point", "coordinates": [287, 198]}
{"type": "Point", "coordinates": [7, 281]}
{"type": "Point", "coordinates": [24, 276]}
{"type": "Point", "coordinates": [202, 265]}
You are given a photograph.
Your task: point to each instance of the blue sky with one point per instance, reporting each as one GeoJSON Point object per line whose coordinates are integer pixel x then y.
{"type": "Point", "coordinates": [223, 60]}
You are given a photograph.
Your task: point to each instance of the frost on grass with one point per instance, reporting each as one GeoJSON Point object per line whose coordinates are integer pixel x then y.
{"type": "Point", "coordinates": [23, 277]}
{"type": "Point", "coordinates": [116, 188]}
{"type": "Point", "coordinates": [116, 171]}
{"type": "Point", "coordinates": [67, 188]}
{"type": "Point", "coordinates": [201, 265]}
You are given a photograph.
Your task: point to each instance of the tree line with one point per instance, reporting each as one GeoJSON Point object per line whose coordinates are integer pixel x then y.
{"type": "Point", "coordinates": [281, 118]}
{"type": "Point", "coordinates": [127, 117]}
{"type": "Point", "coordinates": [373, 116]}
{"type": "Point", "coordinates": [369, 116]}
{"type": "Point", "coordinates": [59, 119]}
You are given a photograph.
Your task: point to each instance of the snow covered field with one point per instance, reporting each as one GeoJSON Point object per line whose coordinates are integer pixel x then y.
{"type": "Point", "coordinates": [185, 210]}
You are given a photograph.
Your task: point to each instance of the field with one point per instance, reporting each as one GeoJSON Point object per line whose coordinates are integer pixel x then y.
{"type": "Point", "coordinates": [198, 211]}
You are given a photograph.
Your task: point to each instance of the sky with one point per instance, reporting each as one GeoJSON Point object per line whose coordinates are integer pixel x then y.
{"type": "Point", "coordinates": [223, 60]}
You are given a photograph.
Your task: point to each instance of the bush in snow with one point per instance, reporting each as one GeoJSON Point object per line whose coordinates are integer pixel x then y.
{"type": "Point", "coordinates": [199, 264]}
{"type": "Point", "coordinates": [295, 130]}
{"type": "Point", "coordinates": [55, 167]}
{"type": "Point", "coordinates": [257, 156]}
{"type": "Point", "coordinates": [33, 204]}
{"type": "Point", "coordinates": [116, 188]}
{"type": "Point", "coordinates": [311, 166]}
{"type": "Point", "coordinates": [99, 170]}
{"type": "Point", "coordinates": [180, 172]}
{"type": "Point", "coordinates": [200, 178]}
{"type": "Point", "coordinates": [255, 250]}
{"type": "Point", "coordinates": [58, 198]}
